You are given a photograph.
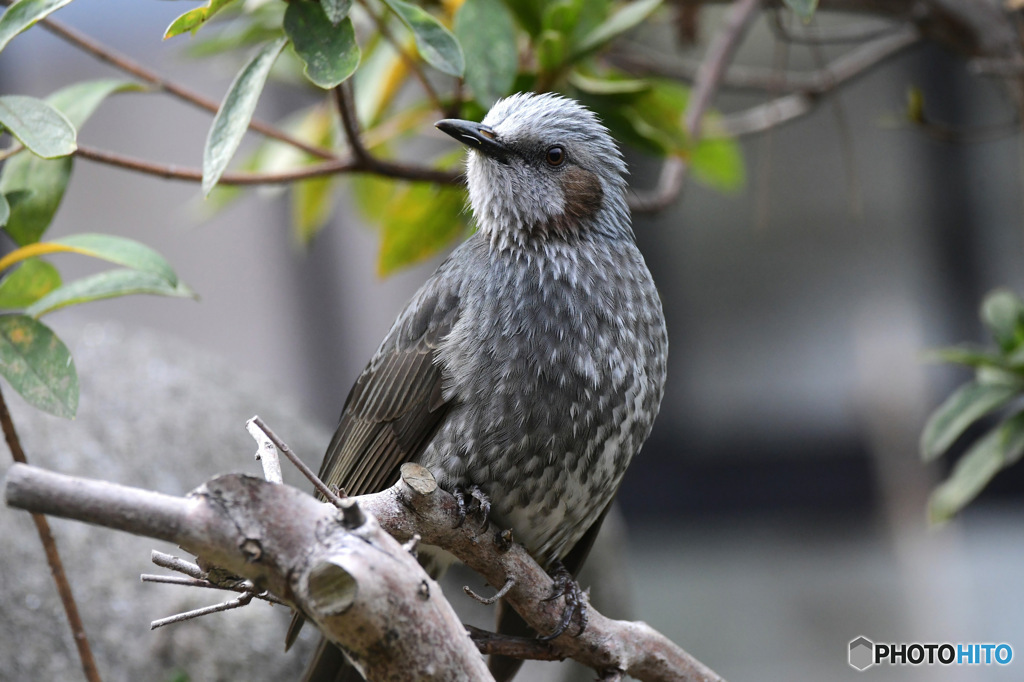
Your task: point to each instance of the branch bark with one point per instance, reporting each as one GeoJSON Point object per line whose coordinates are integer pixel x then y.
{"type": "Point", "coordinates": [709, 76]}
{"type": "Point", "coordinates": [354, 580]}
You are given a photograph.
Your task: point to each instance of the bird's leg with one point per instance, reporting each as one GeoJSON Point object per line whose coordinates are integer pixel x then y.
{"type": "Point", "coordinates": [575, 601]}
{"type": "Point", "coordinates": [477, 503]}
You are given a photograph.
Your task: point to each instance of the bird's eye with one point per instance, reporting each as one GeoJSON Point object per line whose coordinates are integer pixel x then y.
{"type": "Point", "coordinates": [555, 156]}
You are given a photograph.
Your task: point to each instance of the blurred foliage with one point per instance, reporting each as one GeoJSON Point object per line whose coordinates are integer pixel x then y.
{"type": "Point", "coordinates": [410, 61]}
{"type": "Point", "coordinates": [995, 393]}
{"type": "Point", "coordinates": [470, 53]}
{"type": "Point", "coordinates": [34, 177]}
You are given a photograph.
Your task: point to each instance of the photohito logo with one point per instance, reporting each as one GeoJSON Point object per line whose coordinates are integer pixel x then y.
{"type": "Point", "coordinates": [864, 653]}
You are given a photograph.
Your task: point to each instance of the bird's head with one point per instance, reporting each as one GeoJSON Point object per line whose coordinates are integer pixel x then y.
{"type": "Point", "coordinates": [542, 167]}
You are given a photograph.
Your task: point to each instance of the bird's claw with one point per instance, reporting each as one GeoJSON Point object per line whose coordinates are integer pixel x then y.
{"type": "Point", "coordinates": [472, 500]}
{"type": "Point", "coordinates": [575, 602]}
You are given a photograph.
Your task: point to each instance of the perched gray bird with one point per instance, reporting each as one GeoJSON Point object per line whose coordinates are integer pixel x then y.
{"type": "Point", "coordinates": [531, 365]}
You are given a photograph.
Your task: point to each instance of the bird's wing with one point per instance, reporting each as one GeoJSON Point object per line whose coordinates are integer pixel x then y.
{"type": "Point", "coordinates": [393, 409]}
{"type": "Point", "coordinates": [396, 405]}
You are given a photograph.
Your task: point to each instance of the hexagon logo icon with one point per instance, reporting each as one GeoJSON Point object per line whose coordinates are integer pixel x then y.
{"type": "Point", "coordinates": [862, 652]}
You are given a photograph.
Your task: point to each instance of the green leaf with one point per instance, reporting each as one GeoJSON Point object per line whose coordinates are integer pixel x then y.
{"type": "Point", "coordinates": [5, 210]}
{"type": "Point", "coordinates": [486, 31]}
{"type": "Point", "coordinates": [629, 17]}
{"type": "Point", "coordinates": [964, 355]}
{"type": "Point", "coordinates": [336, 10]}
{"type": "Point", "coordinates": [999, 376]}
{"type": "Point", "coordinates": [651, 120]}
{"type": "Point", "coordinates": [38, 365]}
{"type": "Point", "coordinates": [254, 27]}
{"type": "Point", "coordinates": [803, 8]}
{"type": "Point", "coordinates": [562, 16]}
{"type": "Point", "coordinates": [551, 48]}
{"type": "Point", "coordinates": [607, 85]}
{"type": "Point", "coordinates": [966, 405]}
{"type": "Point", "coordinates": [109, 284]}
{"type": "Point", "coordinates": [528, 13]}
{"type": "Point", "coordinates": [39, 184]}
{"type": "Point", "coordinates": [1002, 311]}
{"type": "Point", "coordinates": [34, 187]}
{"type": "Point", "coordinates": [329, 51]}
{"type": "Point", "coordinates": [33, 279]}
{"type": "Point", "coordinates": [194, 19]}
{"type": "Point", "coordinates": [996, 450]}
{"type": "Point", "coordinates": [434, 42]}
{"type": "Point", "coordinates": [22, 15]}
{"type": "Point", "coordinates": [718, 163]}
{"type": "Point", "coordinates": [78, 101]}
{"type": "Point", "coordinates": [119, 250]}
{"type": "Point", "coordinates": [42, 129]}
{"type": "Point", "coordinates": [232, 119]}
{"type": "Point", "coordinates": [311, 207]}
{"type": "Point", "coordinates": [416, 219]}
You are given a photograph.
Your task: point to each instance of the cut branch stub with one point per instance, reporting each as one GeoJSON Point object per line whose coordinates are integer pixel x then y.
{"type": "Point", "coordinates": [418, 478]}
{"type": "Point", "coordinates": [332, 589]}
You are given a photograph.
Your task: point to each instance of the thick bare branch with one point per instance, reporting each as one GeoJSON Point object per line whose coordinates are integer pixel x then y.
{"type": "Point", "coordinates": [357, 583]}
{"type": "Point", "coordinates": [299, 549]}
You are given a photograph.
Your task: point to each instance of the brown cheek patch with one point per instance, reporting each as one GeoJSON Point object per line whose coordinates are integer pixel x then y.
{"type": "Point", "coordinates": [582, 192]}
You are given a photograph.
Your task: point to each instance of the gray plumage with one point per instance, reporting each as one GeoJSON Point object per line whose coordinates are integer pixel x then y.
{"type": "Point", "coordinates": [532, 362]}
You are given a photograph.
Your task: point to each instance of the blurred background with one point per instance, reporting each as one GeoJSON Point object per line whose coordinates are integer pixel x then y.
{"type": "Point", "coordinates": [778, 510]}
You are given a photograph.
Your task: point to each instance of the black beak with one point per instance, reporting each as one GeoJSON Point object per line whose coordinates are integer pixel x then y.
{"type": "Point", "coordinates": [475, 135]}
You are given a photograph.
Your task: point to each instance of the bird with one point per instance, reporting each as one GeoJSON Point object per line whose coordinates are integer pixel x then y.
{"type": "Point", "coordinates": [527, 371]}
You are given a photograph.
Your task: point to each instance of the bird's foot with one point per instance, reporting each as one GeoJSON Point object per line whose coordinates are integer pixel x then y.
{"type": "Point", "coordinates": [472, 500]}
{"type": "Point", "coordinates": [575, 602]}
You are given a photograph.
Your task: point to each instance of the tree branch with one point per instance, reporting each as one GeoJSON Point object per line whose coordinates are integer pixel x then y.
{"type": "Point", "coordinates": [301, 550]}
{"type": "Point", "coordinates": [347, 112]}
{"type": "Point", "coordinates": [389, 169]}
{"type": "Point", "coordinates": [856, 62]}
{"type": "Point", "coordinates": [67, 599]}
{"type": "Point", "coordinates": [709, 76]}
{"type": "Point", "coordinates": [124, 63]}
{"type": "Point", "coordinates": [356, 582]}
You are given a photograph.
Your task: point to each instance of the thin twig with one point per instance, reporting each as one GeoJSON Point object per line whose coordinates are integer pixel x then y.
{"type": "Point", "coordinates": [767, 116]}
{"type": "Point", "coordinates": [838, 35]}
{"type": "Point", "coordinates": [67, 599]}
{"type": "Point", "coordinates": [845, 138]}
{"type": "Point", "coordinates": [854, 62]}
{"type": "Point", "coordinates": [386, 168]}
{"type": "Point", "coordinates": [349, 121]}
{"type": "Point", "coordinates": [487, 601]}
{"type": "Point", "coordinates": [674, 170]}
{"type": "Point", "coordinates": [328, 494]}
{"type": "Point", "coordinates": [266, 453]}
{"type": "Point", "coordinates": [762, 199]}
{"type": "Point", "coordinates": [126, 64]}
{"type": "Point", "coordinates": [524, 648]}
{"type": "Point", "coordinates": [171, 562]}
{"type": "Point", "coordinates": [238, 602]}
{"type": "Point", "coordinates": [202, 582]}
{"type": "Point", "coordinates": [11, 151]}
{"type": "Point", "coordinates": [178, 580]}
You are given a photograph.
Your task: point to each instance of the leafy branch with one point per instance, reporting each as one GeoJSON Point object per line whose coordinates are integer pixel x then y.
{"type": "Point", "coordinates": [995, 391]}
